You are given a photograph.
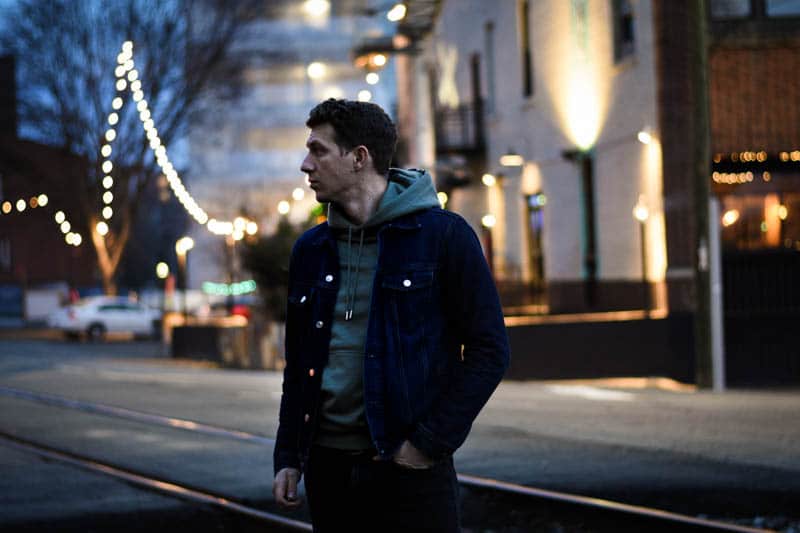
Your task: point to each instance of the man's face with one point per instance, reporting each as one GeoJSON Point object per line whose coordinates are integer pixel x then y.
{"type": "Point", "coordinates": [330, 169]}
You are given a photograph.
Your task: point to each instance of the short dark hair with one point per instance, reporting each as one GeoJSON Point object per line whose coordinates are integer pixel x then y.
{"type": "Point", "coordinates": [356, 123]}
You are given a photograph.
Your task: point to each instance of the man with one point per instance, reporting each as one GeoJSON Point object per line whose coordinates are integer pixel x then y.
{"type": "Point", "coordinates": [394, 337]}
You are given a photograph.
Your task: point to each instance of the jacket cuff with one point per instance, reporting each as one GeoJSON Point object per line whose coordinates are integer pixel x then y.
{"type": "Point", "coordinates": [285, 461]}
{"type": "Point", "coordinates": [424, 440]}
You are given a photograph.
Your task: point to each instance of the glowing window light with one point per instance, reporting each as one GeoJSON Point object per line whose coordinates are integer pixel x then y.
{"type": "Point", "coordinates": [511, 160]}
{"type": "Point", "coordinates": [640, 211]}
{"type": "Point", "coordinates": [284, 207]}
{"type": "Point", "coordinates": [316, 8]}
{"type": "Point", "coordinates": [65, 226]}
{"type": "Point", "coordinates": [298, 194]}
{"type": "Point", "coordinates": [101, 228]}
{"type": "Point", "coordinates": [162, 270]}
{"type": "Point", "coordinates": [489, 180]}
{"type": "Point", "coordinates": [372, 78]}
{"type": "Point", "coordinates": [43, 200]}
{"type": "Point", "coordinates": [730, 217]}
{"type": "Point", "coordinates": [183, 245]}
{"type": "Point", "coordinates": [108, 197]}
{"type": "Point", "coordinates": [397, 13]}
{"type": "Point", "coordinates": [60, 217]}
{"type": "Point", "coordinates": [364, 96]}
{"type": "Point", "coordinates": [316, 70]}
{"type": "Point", "coordinates": [107, 212]}
{"type": "Point", "coordinates": [488, 221]}
{"type": "Point", "coordinates": [21, 205]}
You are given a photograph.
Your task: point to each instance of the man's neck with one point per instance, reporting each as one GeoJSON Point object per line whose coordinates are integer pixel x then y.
{"type": "Point", "coordinates": [364, 202]}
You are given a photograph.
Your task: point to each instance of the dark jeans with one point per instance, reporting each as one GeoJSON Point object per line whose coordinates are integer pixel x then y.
{"type": "Point", "coordinates": [352, 492]}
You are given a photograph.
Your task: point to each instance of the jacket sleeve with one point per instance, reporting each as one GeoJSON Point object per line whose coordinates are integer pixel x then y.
{"type": "Point", "coordinates": [286, 452]}
{"type": "Point", "coordinates": [473, 310]}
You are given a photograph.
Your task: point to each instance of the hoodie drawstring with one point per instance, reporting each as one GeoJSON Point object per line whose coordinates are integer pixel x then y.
{"type": "Point", "coordinates": [350, 293]}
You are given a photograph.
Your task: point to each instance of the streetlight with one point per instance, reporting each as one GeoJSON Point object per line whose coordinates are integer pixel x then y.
{"type": "Point", "coordinates": [641, 213]}
{"type": "Point", "coordinates": [182, 246]}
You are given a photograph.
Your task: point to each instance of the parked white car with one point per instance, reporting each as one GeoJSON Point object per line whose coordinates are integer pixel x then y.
{"type": "Point", "coordinates": [98, 315]}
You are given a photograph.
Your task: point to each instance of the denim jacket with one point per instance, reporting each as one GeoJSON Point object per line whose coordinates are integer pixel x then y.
{"type": "Point", "coordinates": [436, 343]}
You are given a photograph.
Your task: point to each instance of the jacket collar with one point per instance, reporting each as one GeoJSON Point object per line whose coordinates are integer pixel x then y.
{"type": "Point", "coordinates": [405, 222]}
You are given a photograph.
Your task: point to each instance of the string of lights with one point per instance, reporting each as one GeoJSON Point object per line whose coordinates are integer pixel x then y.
{"type": "Point", "coordinates": [41, 201]}
{"type": "Point", "coordinates": [128, 79]}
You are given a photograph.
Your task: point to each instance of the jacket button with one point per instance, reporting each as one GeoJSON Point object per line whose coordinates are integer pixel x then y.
{"type": "Point", "coordinates": [406, 283]}
{"type": "Point", "coordinates": [311, 372]}
{"type": "Point", "coordinates": [328, 278]}
{"type": "Point", "coordinates": [307, 418]}
{"type": "Point", "coordinates": [319, 324]}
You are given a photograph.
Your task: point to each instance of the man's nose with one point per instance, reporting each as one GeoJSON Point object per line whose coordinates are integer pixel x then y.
{"type": "Point", "coordinates": [306, 166]}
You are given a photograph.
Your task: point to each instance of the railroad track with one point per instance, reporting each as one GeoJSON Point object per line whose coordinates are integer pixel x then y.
{"type": "Point", "coordinates": [569, 511]}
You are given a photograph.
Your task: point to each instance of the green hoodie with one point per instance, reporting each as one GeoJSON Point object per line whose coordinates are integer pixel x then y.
{"type": "Point", "coordinates": [342, 423]}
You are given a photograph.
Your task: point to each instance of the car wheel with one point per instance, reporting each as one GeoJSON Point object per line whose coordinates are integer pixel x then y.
{"type": "Point", "coordinates": [96, 332]}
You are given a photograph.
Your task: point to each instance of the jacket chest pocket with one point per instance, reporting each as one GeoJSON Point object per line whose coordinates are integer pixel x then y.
{"type": "Point", "coordinates": [410, 296]}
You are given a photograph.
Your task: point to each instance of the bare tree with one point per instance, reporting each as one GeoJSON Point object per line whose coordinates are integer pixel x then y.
{"type": "Point", "coordinates": [67, 53]}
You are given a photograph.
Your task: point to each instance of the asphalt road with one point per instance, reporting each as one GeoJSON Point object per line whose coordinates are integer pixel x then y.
{"type": "Point", "coordinates": [731, 455]}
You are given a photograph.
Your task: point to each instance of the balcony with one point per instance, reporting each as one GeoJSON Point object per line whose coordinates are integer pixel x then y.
{"type": "Point", "coordinates": [459, 130]}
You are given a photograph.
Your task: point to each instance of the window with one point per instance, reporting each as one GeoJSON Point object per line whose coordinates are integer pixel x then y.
{"type": "Point", "coordinates": [623, 29]}
{"type": "Point", "coordinates": [525, 48]}
{"type": "Point", "coordinates": [730, 9]}
{"type": "Point", "coordinates": [488, 46]}
{"type": "Point", "coordinates": [783, 8]}
{"type": "Point", "coordinates": [535, 204]}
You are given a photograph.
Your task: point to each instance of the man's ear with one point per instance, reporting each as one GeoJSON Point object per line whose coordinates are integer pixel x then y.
{"type": "Point", "coordinates": [360, 157]}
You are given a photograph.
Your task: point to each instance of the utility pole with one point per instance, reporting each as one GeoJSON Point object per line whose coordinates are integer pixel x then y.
{"type": "Point", "coordinates": [698, 50]}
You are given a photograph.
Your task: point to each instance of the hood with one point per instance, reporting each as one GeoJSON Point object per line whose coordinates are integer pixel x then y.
{"type": "Point", "coordinates": [408, 191]}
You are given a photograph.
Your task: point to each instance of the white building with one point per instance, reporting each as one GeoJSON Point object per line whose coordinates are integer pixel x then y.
{"type": "Point", "coordinates": [570, 88]}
